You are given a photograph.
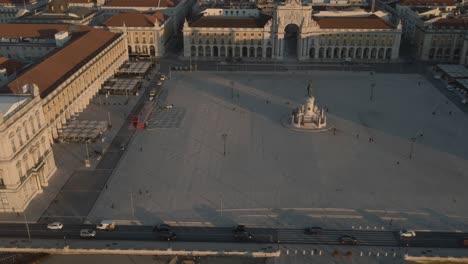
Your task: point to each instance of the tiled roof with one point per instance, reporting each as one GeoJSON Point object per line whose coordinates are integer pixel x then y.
{"type": "Point", "coordinates": [16, 2]}
{"type": "Point", "coordinates": [142, 3]}
{"type": "Point", "coordinates": [231, 22]}
{"type": "Point", "coordinates": [429, 2]}
{"type": "Point", "coordinates": [449, 22]}
{"type": "Point", "coordinates": [369, 22]}
{"type": "Point", "coordinates": [10, 65]}
{"type": "Point", "coordinates": [85, 43]}
{"type": "Point", "coordinates": [44, 31]}
{"type": "Point", "coordinates": [79, 1]}
{"type": "Point", "coordinates": [135, 19]}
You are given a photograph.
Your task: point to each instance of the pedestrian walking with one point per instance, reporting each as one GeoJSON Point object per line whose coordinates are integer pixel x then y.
{"type": "Point", "coordinates": [334, 131]}
{"type": "Point", "coordinates": [398, 162]}
{"type": "Point", "coordinates": [370, 140]}
{"type": "Point", "coordinates": [112, 205]}
{"type": "Point", "coordinates": [141, 149]}
{"type": "Point", "coordinates": [106, 186]}
{"type": "Point", "coordinates": [357, 136]}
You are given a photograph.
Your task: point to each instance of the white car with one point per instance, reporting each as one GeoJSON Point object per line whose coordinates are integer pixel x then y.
{"type": "Point", "coordinates": [450, 87]}
{"type": "Point", "coordinates": [407, 233]}
{"type": "Point", "coordinates": [437, 77]}
{"type": "Point", "coordinates": [55, 226]}
{"type": "Point", "coordinates": [160, 83]}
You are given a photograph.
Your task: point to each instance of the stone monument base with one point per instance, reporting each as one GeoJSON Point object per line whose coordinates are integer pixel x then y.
{"type": "Point", "coordinates": [307, 127]}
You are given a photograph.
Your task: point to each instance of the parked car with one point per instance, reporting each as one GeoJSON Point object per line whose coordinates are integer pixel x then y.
{"type": "Point", "coordinates": [87, 233]}
{"type": "Point", "coordinates": [241, 233]}
{"type": "Point", "coordinates": [122, 147]}
{"type": "Point", "coordinates": [55, 226]}
{"type": "Point", "coordinates": [106, 225]}
{"type": "Point", "coordinates": [348, 240]}
{"type": "Point", "coordinates": [165, 232]}
{"type": "Point", "coordinates": [407, 233]}
{"type": "Point", "coordinates": [314, 230]}
{"type": "Point", "coordinates": [450, 87]}
{"type": "Point", "coordinates": [437, 77]}
{"type": "Point", "coordinates": [160, 82]}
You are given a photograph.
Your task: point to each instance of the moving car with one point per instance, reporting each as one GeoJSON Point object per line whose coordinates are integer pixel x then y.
{"type": "Point", "coordinates": [240, 233]}
{"type": "Point", "coordinates": [314, 230]}
{"type": "Point", "coordinates": [106, 225]}
{"type": "Point", "coordinates": [87, 233]}
{"type": "Point", "coordinates": [407, 233]}
{"type": "Point", "coordinates": [348, 240]}
{"type": "Point", "coordinates": [55, 226]}
{"type": "Point", "coordinates": [165, 232]}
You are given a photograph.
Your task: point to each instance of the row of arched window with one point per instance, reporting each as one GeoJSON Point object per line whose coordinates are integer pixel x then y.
{"type": "Point", "coordinates": [27, 162]}
{"type": "Point", "coordinates": [30, 126]}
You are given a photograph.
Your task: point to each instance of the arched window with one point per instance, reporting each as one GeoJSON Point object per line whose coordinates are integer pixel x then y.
{"type": "Point", "coordinates": [19, 169]}
{"type": "Point", "coordinates": [20, 136]}
{"type": "Point", "coordinates": [31, 123]}
{"type": "Point", "coordinates": [26, 162]}
{"type": "Point", "coordinates": [26, 130]}
{"type": "Point", "coordinates": [38, 120]}
{"type": "Point", "coordinates": [43, 145]}
{"type": "Point", "coordinates": [12, 142]}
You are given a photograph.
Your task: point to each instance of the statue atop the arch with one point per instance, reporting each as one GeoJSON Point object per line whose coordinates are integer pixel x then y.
{"type": "Point", "coordinates": [293, 2]}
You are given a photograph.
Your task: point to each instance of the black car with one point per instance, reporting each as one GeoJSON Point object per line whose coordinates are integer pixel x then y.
{"type": "Point", "coordinates": [348, 240]}
{"type": "Point", "coordinates": [241, 234]}
{"type": "Point", "coordinates": [314, 230]}
{"type": "Point", "coordinates": [165, 232]}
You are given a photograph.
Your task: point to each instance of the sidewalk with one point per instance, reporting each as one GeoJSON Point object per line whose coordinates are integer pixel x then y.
{"type": "Point", "coordinates": [81, 246]}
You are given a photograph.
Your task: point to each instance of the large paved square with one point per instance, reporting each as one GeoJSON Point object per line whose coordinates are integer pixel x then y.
{"type": "Point", "coordinates": [277, 177]}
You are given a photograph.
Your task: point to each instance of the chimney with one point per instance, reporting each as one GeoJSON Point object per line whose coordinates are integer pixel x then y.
{"type": "Point", "coordinates": [373, 6]}
{"type": "Point", "coordinates": [61, 38]}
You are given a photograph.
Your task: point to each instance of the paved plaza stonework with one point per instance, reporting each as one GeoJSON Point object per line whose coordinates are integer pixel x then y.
{"type": "Point", "coordinates": [397, 157]}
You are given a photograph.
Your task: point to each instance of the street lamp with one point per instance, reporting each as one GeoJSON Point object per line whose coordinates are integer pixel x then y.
{"type": "Point", "coordinates": [224, 140]}
{"type": "Point", "coordinates": [372, 92]}
{"type": "Point", "coordinates": [413, 140]}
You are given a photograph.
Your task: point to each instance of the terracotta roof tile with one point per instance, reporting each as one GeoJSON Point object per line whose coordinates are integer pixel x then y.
{"type": "Point", "coordinates": [369, 22]}
{"type": "Point", "coordinates": [142, 3]}
{"type": "Point", "coordinates": [11, 65]}
{"type": "Point", "coordinates": [15, 2]}
{"type": "Point", "coordinates": [231, 22]}
{"type": "Point", "coordinates": [44, 31]}
{"type": "Point", "coordinates": [79, 1]}
{"type": "Point", "coordinates": [455, 22]}
{"type": "Point", "coordinates": [135, 19]}
{"type": "Point", "coordinates": [429, 2]}
{"type": "Point", "coordinates": [85, 43]}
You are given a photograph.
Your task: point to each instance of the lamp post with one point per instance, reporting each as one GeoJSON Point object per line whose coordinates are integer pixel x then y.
{"type": "Point", "coordinates": [224, 136]}
{"type": "Point", "coordinates": [413, 140]}
{"type": "Point", "coordinates": [27, 226]}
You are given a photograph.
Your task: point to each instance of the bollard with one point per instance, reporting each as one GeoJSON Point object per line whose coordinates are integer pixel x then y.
{"type": "Point", "coordinates": [375, 228]}
{"type": "Point", "coordinates": [378, 254]}
{"type": "Point", "coordinates": [312, 252]}
{"type": "Point", "coordinates": [352, 227]}
{"type": "Point", "coordinates": [295, 252]}
{"type": "Point", "coordinates": [370, 253]}
{"type": "Point", "coordinates": [367, 227]}
{"type": "Point", "coordinates": [386, 254]}
{"type": "Point", "coordinates": [303, 252]}
{"type": "Point", "coordinates": [287, 251]}
{"type": "Point", "coordinates": [394, 254]}
{"type": "Point", "coordinates": [320, 252]}
{"type": "Point", "coordinates": [361, 254]}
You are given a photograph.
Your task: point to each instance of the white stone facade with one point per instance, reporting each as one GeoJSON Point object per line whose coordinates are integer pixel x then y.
{"type": "Point", "coordinates": [313, 42]}
{"type": "Point", "coordinates": [26, 158]}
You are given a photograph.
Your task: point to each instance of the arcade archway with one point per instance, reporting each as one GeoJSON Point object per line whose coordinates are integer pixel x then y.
{"type": "Point", "coordinates": [291, 35]}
